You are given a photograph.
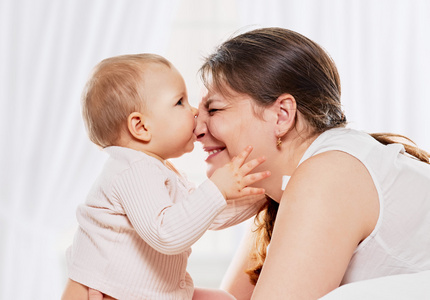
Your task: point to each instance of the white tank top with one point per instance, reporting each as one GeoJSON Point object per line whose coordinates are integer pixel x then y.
{"type": "Point", "coordinates": [400, 242]}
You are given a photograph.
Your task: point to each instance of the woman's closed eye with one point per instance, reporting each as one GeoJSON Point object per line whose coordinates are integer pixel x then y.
{"type": "Point", "coordinates": [212, 111]}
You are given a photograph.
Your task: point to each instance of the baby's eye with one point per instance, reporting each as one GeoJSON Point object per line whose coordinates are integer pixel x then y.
{"type": "Point", "coordinates": [180, 102]}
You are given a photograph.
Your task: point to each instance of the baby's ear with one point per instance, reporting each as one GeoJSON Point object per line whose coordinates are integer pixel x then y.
{"type": "Point", "coordinates": [286, 107]}
{"type": "Point", "coordinates": [136, 127]}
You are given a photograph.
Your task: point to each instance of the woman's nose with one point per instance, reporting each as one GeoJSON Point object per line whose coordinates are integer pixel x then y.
{"type": "Point", "coordinates": [201, 127]}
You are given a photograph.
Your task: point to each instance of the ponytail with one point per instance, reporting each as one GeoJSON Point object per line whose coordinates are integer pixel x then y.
{"type": "Point", "coordinates": [264, 221]}
{"type": "Point", "coordinates": [410, 146]}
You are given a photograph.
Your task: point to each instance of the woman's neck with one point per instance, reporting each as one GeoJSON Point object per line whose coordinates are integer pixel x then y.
{"type": "Point", "coordinates": [286, 161]}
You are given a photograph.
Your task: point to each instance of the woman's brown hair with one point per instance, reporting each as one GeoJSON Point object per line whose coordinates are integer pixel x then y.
{"type": "Point", "coordinates": [266, 63]}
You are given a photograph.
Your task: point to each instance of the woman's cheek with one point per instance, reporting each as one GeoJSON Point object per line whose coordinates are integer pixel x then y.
{"type": "Point", "coordinates": [219, 129]}
{"type": "Point", "coordinates": [211, 124]}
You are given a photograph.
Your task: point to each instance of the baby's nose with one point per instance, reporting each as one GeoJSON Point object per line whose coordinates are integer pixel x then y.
{"type": "Point", "coordinates": [195, 111]}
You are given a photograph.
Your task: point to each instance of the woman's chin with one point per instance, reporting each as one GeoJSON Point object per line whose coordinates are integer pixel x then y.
{"type": "Point", "coordinates": [216, 161]}
{"type": "Point", "coordinates": [210, 170]}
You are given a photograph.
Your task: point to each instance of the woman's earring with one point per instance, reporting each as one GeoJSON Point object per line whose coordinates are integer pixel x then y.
{"type": "Point", "coordinates": [278, 143]}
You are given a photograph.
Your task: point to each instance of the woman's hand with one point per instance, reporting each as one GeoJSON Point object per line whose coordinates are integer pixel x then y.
{"type": "Point", "coordinates": [233, 179]}
{"type": "Point", "coordinates": [94, 294]}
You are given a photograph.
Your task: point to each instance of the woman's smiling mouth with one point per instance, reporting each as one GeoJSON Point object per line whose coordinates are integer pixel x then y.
{"type": "Point", "coordinates": [213, 151]}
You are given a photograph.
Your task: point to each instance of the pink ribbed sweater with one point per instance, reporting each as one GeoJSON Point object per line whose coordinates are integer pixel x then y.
{"type": "Point", "coordinates": [137, 226]}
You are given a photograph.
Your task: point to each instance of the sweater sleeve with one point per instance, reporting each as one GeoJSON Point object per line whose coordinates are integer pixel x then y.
{"type": "Point", "coordinates": [168, 225]}
{"type": "Point", "coordinates": [238, 211]}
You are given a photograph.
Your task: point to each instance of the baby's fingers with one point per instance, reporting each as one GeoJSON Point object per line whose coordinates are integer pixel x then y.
{"type": "Point", "coordinates": [251, 165]}
{"type": "Point", "coordinates": [254, 177]}
{"type": "Point", "coordinates": [240, 159]}
{"type": "Point", "coordinates": [251, 191]}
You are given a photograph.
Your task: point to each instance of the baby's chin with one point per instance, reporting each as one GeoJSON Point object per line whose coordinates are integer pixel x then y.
{"type": "Point", "coordinates": [189, 148]}
{"type": "Point", "coordinates": [185, 150]}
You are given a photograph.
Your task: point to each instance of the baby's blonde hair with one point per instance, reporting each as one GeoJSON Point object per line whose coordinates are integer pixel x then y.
{"type": "Point", "coordinates": [114, 90]}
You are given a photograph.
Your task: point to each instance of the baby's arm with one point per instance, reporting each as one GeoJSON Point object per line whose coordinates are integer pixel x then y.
{"type": "Point", "coordinates": [165, 218]}
{"type": "Point", "coordinates": [169, 221]}
{"type": "Point", "coordinates": [238, 209]}
{"type": "Point", "coordinates": [233, 179]}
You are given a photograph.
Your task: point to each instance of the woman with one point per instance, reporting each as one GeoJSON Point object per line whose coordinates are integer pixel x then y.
{"type": "Point", "coordinates": [347, 206]}
{"type": "Point", "coordinates": [353, 209]}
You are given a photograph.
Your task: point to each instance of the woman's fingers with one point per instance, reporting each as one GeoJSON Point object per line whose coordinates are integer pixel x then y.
{"type": "Point", "coordinates": [94, 294]}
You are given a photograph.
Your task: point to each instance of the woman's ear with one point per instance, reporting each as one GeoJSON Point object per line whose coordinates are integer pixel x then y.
{"type": "Point", "coordinates": [286, 108]}
{"type": "Point", "coordinates": [136, 127]}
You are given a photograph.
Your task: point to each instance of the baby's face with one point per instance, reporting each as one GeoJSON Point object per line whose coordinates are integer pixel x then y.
{"type": "Point", "coordinates": [169, 117]}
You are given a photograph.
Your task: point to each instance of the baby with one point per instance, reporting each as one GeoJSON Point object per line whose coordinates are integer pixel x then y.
{"type": "Point", "coordinates": [141, 216]}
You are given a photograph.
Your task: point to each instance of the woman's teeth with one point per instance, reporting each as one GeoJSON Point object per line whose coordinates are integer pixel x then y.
{"type": "Point", "coordinates": [214, 151]}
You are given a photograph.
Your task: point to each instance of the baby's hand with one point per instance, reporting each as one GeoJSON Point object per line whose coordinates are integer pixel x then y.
{"type": "Point", "coordinates": [233, 178]}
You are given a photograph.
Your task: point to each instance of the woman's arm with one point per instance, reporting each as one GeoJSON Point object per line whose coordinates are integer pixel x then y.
{"type": "Point", "coordinates": [236, 281]}
{"type": "Point", "coordinates": [329, 206]}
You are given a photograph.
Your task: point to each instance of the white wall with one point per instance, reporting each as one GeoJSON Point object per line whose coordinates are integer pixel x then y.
{"type": "Point", "coordinates": [47, 48]}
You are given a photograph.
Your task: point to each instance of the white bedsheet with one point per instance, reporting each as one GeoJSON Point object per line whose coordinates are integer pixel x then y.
{"type": "Point", "coordinates": [396, 287]}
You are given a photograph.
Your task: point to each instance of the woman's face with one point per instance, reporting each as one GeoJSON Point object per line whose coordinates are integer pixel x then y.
{"type": "Point", "coordinates": [226, 124]}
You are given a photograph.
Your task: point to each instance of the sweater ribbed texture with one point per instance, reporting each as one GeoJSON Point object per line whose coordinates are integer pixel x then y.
{"type": "Point", "coordinates": [137, 226]}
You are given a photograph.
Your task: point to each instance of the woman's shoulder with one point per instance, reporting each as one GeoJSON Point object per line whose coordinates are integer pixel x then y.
{"type": "Point", "coordinates": [332, 169]}
{"type": "Point", "coordinates": [352, 141]}
{"type": "Point", "coordinates": [338, 184]}
{"type": "Point", "coordinates": [323, 215]}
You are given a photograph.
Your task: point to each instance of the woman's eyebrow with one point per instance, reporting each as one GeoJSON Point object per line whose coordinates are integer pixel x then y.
{"type": "Point", "coordinates": [208, 103]}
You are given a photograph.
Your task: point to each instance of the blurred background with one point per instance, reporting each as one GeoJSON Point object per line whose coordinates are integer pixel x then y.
{"type": "Point", "coordinates": [48, 47]}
